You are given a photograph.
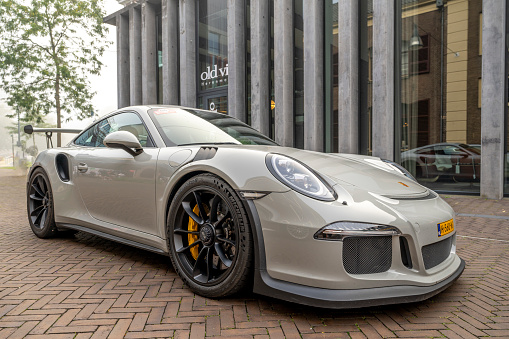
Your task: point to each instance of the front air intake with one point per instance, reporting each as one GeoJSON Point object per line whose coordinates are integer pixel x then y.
{"type": "Point", "coordinates": [435, 254]}
{"type": "Point", "coordinates": [367, 255]}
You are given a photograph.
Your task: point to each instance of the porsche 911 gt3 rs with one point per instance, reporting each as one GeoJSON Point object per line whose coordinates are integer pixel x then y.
{"type": "Point", "coordinates": [235, 211]}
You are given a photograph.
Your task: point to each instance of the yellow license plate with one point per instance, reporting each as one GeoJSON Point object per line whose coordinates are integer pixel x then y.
{"type": "Point", "coordinates": [445, 227]}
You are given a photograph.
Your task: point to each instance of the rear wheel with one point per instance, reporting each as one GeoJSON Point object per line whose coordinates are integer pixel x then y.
{"type": "Point", "coordinates": [209, 237]}
{"type": "Point", "coordinates": [40, 206]}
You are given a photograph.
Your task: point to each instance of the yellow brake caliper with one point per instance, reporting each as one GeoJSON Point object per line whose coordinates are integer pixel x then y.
{"type": "Point", "coordinates": [192, 226]}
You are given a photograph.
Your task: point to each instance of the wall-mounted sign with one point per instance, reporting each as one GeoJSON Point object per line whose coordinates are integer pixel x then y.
{"type": "Point", "coordinates": [214, 76]}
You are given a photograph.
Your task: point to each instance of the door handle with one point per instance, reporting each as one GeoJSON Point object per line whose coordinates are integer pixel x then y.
{"type": "Point", "coordinates": [82, 167]}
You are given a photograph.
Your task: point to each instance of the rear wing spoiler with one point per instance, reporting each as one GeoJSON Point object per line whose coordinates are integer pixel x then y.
{"type": "Point", "coordinates": [29, 129]}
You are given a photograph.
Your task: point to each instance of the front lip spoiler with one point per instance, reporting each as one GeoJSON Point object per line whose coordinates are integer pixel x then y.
{"type": "Point", "coordinates": [341, 299]}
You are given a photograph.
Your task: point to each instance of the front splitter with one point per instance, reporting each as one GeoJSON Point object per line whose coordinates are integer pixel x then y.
{"type": "Point", "coordinates": [345, 299]}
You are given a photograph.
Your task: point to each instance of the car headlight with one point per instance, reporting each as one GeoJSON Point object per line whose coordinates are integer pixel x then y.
{"type": "Point", "coordinates": [299, 177]}
{"type": "Point", "coordinates": [399, 168]}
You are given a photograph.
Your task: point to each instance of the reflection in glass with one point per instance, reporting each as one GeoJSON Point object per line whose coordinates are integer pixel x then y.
{"type": "Point", "coordinates": [331, 76]}
{"type": "Point", "coordinates": [194, 127]}
{"type": "Point", "coordinates": [439, 115]}
{"type": "Point", "coordinates": [159, 57]}
{"type": "Point", "coordinates": [365, 75]}
{"type": "Point", "coordinates": [212, 44]}
{"type": "Point", "coordinates": [298, 65]}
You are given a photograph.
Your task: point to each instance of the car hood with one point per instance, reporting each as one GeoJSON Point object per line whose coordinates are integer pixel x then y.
{"type": "Point", "coordinates": [364, 172]}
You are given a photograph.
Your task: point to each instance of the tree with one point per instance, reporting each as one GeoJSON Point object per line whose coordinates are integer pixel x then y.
{"type": "Point", "coordinates": [47, 50]}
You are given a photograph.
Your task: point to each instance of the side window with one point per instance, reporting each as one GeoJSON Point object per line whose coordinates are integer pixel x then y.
{"type": "Point", "coordinates": [130, 122]}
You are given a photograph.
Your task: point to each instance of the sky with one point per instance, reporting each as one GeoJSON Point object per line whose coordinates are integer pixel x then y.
{"type": "Point", "coordinates": [104, 84]}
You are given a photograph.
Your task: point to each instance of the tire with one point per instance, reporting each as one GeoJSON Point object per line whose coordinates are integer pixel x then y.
{"type": "Point", "coordinates": [213, 255]}
{"type": "Point", "coordinates": [40, 206]}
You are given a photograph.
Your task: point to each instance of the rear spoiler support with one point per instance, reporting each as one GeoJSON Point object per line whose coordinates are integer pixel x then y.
{"type": "Point", "coordinates": [29, 129]}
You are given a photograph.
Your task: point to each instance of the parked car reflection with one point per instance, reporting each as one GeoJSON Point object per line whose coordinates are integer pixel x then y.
{"type": "Point", "coordinates": [444, 161]}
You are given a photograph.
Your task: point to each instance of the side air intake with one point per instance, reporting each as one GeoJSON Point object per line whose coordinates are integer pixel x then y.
{"type": "Point", "coordinates": [62, 164]}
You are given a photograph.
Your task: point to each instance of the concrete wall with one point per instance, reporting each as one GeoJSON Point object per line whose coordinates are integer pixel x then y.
{"type": "Point", "coordinates": [123, 69]}
{"type": "Point", "coordinates": [494, 98]}
{"type": "Point", "coordinates": [237, 59]}
{"type": "Point", "coordinates": [283, 71]}
{"type": "Point", "coordinates": [383, 79]}
{"type": "Point", "coordinates": [260, 73]}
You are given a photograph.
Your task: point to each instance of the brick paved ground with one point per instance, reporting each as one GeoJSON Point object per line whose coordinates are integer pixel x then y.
{"type": "Point", "coordinates": [86, 287]}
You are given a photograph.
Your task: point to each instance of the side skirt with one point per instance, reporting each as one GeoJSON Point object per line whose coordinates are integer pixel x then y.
{"type": "Point", "coordinates": [111, 237]}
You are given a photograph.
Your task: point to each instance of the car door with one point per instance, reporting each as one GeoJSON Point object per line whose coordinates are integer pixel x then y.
{"type": "Point", "coordinates": [116, 187]}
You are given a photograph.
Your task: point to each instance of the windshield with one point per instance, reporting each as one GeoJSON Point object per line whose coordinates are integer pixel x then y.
{"type": "Point", "coordinates": [193, 127]}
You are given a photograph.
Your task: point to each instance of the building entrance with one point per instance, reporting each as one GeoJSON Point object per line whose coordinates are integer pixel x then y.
{"type": "Point", "coordinates": [216, 101]}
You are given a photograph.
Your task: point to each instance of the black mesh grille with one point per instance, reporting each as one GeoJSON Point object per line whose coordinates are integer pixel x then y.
{"type": "Point", "coordinates": [366, 255]}
{"type": "Point", "coordinates": [434, 254]}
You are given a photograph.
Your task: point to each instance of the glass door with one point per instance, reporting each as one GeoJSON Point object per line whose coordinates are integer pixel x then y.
{"type": "Point", "coordinates": [216, 102]}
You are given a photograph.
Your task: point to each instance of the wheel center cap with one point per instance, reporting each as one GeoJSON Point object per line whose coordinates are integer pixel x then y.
{"type": "Point", "coordinates": [207, 235]}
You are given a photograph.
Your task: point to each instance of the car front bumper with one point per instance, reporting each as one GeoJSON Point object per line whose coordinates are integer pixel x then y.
{"type": "Point", "coordinates": [293, 265]}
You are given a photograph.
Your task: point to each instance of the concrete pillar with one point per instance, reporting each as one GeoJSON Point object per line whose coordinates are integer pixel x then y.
{"type": "Point", "coordinates": [383, 79]}
{"type": "Point", "coordinates": [348, 68]}
{"type": "Point", "coordinates": [122, 23]}
{"type": "Point", "coordinates": [237, 59]}
{"type": "Point", "coordinates": [170, 34]}
{"type": "Point", "coordinates": [260, 66]}
{"type": "Point", "coordinates": [283, 71]}
{"type": "Point", "coordinates": [148, 53]}
{"type": "Point", "coordinates": [313, 75]}
{"type": "Point", "coordinates": [135, 56]}
{"type": "Point", "coordinates": [493, 98]}
{"type": "Point", "coordinates": [187, 19]}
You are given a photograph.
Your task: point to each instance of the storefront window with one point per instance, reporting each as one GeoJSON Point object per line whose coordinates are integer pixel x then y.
{"type": "Point", "coordinates": [159, 58]}
{"type": "Point", "coordinates": [439, 117]}
{"type": "Point", "coordinates": [365, 75]}
{"type": "Point", "coordinates": [298, 66]}
{"type": "Point", "coordinates": [331, 76]}
{"type": "Point", "coordinates": [272, 87]}
{"type": "Point", "coordinates": [248, 60]}
{"type": "Point", "coordinates": [213, 55]}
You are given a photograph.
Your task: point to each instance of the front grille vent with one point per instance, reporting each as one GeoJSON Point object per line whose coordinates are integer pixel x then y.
{"type": "Point", "coordinates": [405, 252]}
{"type": "Point", "coordinates": [435, 254]}
{"type": "Point", "coordinates": [367, 255]}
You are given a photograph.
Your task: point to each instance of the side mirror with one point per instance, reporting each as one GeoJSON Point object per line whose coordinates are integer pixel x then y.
{"type": "Point", "coordinates": [124, 140]}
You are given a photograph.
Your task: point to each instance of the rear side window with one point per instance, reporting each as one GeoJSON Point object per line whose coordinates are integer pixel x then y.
{"type": "Point", "coordinates": [130, 122]}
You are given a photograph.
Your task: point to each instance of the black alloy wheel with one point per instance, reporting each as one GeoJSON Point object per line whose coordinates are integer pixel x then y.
{"type": "Point", "coordinates": [209, 237]}
{"type": "Point", "coordinates": [40, 205]}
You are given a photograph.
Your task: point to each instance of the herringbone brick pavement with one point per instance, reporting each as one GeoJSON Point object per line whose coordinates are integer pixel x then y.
{"type": "Point", "coordinates": [86, 287]}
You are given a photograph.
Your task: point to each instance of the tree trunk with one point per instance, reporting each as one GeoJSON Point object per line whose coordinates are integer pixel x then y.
{"type": "Point", "coordinates": [57, 104]}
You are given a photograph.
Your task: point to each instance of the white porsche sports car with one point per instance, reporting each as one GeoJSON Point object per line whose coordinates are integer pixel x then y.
{"type": "Point", "coordinates": [235, 211]}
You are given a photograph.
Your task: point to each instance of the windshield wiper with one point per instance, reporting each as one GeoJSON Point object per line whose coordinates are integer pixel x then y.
{"type": "Point", "coordinates": [209, 143]}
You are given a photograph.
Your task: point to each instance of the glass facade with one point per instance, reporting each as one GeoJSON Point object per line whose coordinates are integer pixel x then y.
{"type": "Point", "coordinates": [437, 86]}
{"type": "Point", "coordinates": [331, 76]}
{"type": "Point", "coordinates": [365, 76]}
{"type": "Point", "coordinates": [213, 55]}
{"type": "Point", "coordinates": [159, 57]}
{"type": "Point", "coordinates": [438, 126]}
{"type": "Point", "coordinates": [298, 67]}
{"type": "Point", "coordinates": [248, 60]}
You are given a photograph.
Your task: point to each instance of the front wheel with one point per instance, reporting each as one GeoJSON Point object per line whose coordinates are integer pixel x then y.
{"type": "Point", "coordinates": [40, 205]}
{"type": "Point", "coordinates": [209, 237]}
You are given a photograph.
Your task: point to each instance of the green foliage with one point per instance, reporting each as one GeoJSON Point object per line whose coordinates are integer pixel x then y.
{"type": "Point", "coordinates": [47, 50]}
